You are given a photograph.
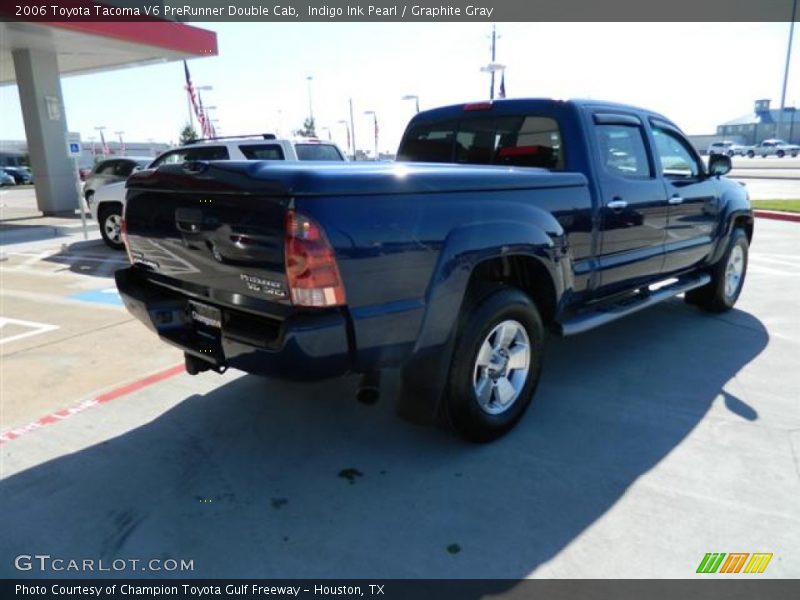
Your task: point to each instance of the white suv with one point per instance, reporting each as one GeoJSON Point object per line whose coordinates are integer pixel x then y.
{"type": "Point", "coordinates": [108, 202]}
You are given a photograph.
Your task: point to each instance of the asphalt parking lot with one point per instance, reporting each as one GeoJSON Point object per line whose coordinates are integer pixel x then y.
{"type": "Point", "coordinates": [652, 441]}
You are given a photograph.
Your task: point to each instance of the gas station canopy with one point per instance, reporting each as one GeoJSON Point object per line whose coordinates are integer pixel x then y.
{"type": "Point", "coordinates": [35, 56]}
{"type": "Point", "coordinates": [87, 47]}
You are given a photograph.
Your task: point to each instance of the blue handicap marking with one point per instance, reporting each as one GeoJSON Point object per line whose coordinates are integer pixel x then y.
{"type": "Point", "coordinates": [104, 296]}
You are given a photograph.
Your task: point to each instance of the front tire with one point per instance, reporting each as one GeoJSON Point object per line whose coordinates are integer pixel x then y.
{"type": "Point", "coordinates": [750, 154]}
{"type": "Point", "coordinates": [110, 219]}
{"type": "Point", "coordinates": [781, 153]}
{"type": "Point", "coordinates": [496, 365]}
{"type": "Point", "coordinates": [727, 277]}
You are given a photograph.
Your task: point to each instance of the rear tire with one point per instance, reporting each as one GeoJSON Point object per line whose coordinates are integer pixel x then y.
{"type": "Point", "coordinates": [750, 154]}
{"type": "Point", "coordinates": [110, 219]}
{"type": "Point", "coordinates": [781, 153]}
{"type": "Point", "coordinates": [727, 277]}
{"type": "Point", "coordinates": [496, 364]}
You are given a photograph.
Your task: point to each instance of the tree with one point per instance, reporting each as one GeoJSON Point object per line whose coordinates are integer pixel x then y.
{"type": "Point", "coordinates": [188, 135]}
{"type": "Point", "coordinates": [309, 128]}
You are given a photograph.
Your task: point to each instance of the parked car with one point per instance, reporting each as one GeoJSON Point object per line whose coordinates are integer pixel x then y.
{"type": "Point", "coordinates": [107, 204]}
{"type": "Point", "coordinates": [727, 147]}
{"type": "Point", "coordinates": [110, 171]}
{"type": "Point", "coordinates": [6, 178]}
{"type": "Point", "coordinates": [21, 175]}
{"type": "Point", "coordinates": [563, 215]}
{"type": "Point", "coordinates": [773, 147]}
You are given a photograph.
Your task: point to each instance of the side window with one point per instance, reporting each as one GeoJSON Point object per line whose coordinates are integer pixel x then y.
{"type": "Point", "coordinates": [262, 151]}
{"type": "Point", "coordinates": [190, 154]}
{"type": "Point", "coordinates": [124, 168]}
{"type": "Point", "coordinates": [674, 156]}
{"type": "Point", "coordinates": [622, 150]}
{"type": "Point", "coordinates": [105, 168]}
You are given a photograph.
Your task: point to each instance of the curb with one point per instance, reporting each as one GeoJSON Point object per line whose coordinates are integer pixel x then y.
{"type": "Point", "coordinates": [777, 215]}
{"type": "Point", "coordinates": [35, 233]}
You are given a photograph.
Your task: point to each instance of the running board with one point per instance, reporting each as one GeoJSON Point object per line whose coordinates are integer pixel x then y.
{"type": "Point", "coordinates": [607, 314]}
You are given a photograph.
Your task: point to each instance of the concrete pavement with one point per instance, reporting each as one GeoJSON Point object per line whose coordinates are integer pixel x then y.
{"type": "Point", "coordinates": [651, 441]}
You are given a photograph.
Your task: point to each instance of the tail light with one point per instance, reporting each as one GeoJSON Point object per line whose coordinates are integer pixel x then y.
{"type": "Point", "coordinates": [311, 269]}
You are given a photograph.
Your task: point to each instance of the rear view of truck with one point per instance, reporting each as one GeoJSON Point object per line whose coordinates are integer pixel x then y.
{"type": "Point", "coordinates": [225, 272]}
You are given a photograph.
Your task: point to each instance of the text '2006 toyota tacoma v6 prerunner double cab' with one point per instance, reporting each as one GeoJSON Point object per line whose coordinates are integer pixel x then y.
{"type": "Point", "coordinates": [564, 215]}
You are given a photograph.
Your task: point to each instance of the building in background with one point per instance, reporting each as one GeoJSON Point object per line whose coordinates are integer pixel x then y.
{"type": "Point", "coordinates": [763, 123]}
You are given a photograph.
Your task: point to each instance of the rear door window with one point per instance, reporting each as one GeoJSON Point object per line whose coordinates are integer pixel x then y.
{"type": "Point", "coordinates": [262, 151]}
{"type": "Point", "coordinates": [622, 150]}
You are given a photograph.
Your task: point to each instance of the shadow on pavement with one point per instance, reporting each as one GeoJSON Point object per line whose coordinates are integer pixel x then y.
{"type": "Point", "coordinates": [91, 257]}
{"type": "Point", "coordinates": [270, 479]}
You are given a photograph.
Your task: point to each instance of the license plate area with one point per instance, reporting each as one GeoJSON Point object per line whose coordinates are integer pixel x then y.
{"type": "Point", "coordinates": [209, 317]}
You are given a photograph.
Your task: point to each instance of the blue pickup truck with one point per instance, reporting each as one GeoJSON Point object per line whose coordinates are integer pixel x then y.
{"type": "Point", "coordinates": [498, 221]}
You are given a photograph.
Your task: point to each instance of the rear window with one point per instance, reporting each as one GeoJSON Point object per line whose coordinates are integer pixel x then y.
{"type": "Point", "coordinates": [262, 152]}
{"type": "Point", "coordinates": [317, 152]}
{"type": "Point", "coordinates": [523, 141]}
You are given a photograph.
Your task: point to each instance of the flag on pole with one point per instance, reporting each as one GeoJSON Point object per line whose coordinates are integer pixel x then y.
{"type": "Point", "coordinates": [202, 118]}
{"type": "Point", "coordinates": [121, 145]}
{"type": "Point", "coordinates": [191, 91]}
{"type": "Point", "coordinates": [103, 144]}
{"type": "Point", "coordinates": [502, 92]}
{"type": "Point", "coordinates": [375, 117]}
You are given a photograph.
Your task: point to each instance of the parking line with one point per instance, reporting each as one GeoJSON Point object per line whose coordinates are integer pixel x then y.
{"type": "Point", "coordinates": [64, 413]}
{"type": "Point", "coordinates": [35, 329]}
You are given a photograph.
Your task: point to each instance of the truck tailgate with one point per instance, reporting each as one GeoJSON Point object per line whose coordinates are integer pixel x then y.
{"type": "Point", "coordinates": [207, 233]}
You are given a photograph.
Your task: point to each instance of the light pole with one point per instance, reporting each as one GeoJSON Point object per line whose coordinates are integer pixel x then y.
{"type": "Point", "coordinates": [103, 145]}
{"type": "Point", "coordinates": [347, 129]}
{"type": "Point", "coordinates": [310, 104]}
{"type": "Point", "coordinates": [413, 97]}
{"type": "Point", "coordinates": [375, 128]}
{"type": "Point", "coordinates": [786, 69]}
{"type": "Point", "coordinates": [328, 129]}
{"type": "Point", "coordinates": [353, 130]}
{"type": "Point", "coordinates": [121, 143]}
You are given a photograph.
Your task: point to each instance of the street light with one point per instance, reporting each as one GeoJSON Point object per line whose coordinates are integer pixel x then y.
{"type": "Point", "coordinates": [412, 97]}
{"type": "Point", "coordinates": [347, 129]}
{"type": "Point", "coordinates": [329, 131]}
{"type": "Point", "coordinates": [492, 68]}
{"type": "Point", "coordinates": [103, 146]}
{"type": "Point", "coordinates": [121, 143]}
{"type": "Point", "coordinates": [310, 105]}
{"type": "Point", "coordinates": [375, 126]}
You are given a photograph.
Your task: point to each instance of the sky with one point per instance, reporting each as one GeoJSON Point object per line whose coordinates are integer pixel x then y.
{"type": "Point", "coordinates": [697, 74]}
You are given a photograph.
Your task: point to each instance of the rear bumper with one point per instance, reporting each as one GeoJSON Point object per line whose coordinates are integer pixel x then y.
{"type": "Point", "coordinates": [302, 347]}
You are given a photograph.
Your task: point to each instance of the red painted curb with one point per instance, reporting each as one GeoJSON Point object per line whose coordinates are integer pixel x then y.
{"type": "Point", "coordinates": [777, 215]}
{"type": "Point", "coordinates": [64, 413]}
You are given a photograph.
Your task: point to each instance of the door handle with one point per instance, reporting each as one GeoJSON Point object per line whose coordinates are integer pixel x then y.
{"type": "Point", "coordinates": [617, 204]}
{"type": "Point", "coordinates": [675, 200]}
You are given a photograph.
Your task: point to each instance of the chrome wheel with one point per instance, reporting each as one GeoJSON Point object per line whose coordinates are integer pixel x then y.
{"type": "Point", "coordinates": [733, 271]}
{"type": "Point", "coordinates": [501, 367]}
{"type": "Point", "coordinates": [112, 227]}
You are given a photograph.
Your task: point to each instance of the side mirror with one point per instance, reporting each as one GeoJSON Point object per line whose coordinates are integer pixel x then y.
{"type": "Point", "coordinates": [719, 164]}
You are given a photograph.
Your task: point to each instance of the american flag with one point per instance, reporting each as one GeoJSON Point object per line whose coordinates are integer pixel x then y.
{"type": "Point", "coordinates": [192, 94]}
{"type": "Point", "coordinates": [375, 118]}
{"type": "Point", "coordinates": [502, 92]}
{"type": "Point", "coordinates": [202, 117]}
